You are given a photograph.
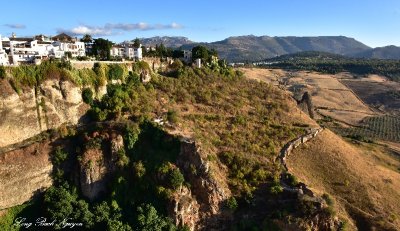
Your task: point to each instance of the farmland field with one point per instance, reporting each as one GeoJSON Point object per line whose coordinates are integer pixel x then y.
{"type": "Point", "coordinates": [376, 128]}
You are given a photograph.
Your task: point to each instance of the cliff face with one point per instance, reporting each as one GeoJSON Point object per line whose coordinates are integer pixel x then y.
{"type": "Point", "coordinates": [209, 191]}
{"type": "Point", "coordinates": [24, 173]}
{"type": "Point", "coordinates": [35, 110]}
{"type": "Point", "coordinates": [98, 164]}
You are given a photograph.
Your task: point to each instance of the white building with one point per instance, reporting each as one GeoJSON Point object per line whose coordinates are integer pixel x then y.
{"type": "Point", "coordinates": [126, 50]}
{"type": "Point", "coordinates": [32, 50]}
{"type": "Point", "coordinates": [117, 51]}
{"type": "Point", "coordinates": [197, 63]}
{"type": "Point", "coordinates": [3, 54]}
{"type": "Point", "coordinates": [75, 48]}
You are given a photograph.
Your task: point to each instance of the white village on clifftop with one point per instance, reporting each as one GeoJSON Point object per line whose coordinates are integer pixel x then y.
{"type": "Point", "coordinates": [33, 50]}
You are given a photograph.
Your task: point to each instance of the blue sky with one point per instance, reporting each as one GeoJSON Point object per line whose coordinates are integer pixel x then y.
{"type": "Point", "coordinates": [373, 22]}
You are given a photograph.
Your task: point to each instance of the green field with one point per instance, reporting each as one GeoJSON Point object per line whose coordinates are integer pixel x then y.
{"type": "Point", "coordinates": [376, 128]}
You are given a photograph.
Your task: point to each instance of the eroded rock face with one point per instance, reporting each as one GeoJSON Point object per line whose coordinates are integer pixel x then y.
{"type": "Point", "coordinates": [184, 208]}
{"type": "Point", "coordinates": [24, 173]}
{"type": "Point", "coordinates": [209, 192]}
{"type": "Point", "coordinates": [54, 103]}
{"type": "Point", "coordinates": [97, 166]}
{"type": "Point", "coordinates": [93, 171]}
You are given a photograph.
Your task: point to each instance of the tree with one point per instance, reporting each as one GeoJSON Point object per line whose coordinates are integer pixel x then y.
{"type": "Point", "coordinates": [176, 178]}
{"type": "Point", "coordinates": [148, 219]}
{"type": "Point", "coordinates": [87, 38]}
{"type": "Point", "coordinates": [115, 72]}
{"type": "Point", "coordinates": [102, 48]}
{"type": "Point", "coordinates": [136, 43]}
{"type": "Point", "coordinates": [87, 96]}
{"type": "Point", "coordinates": [176, 54]}
{"type": "Point", "coordinates": [161, 50]}
{"type": "Point", "coordinates": [200, 52]}
{"type": "Point", "coordinates": [59, 202]}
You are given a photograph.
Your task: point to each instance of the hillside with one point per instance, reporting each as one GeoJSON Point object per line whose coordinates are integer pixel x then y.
{"type": "Point", "coordinates": [332, 63]}
{"type": "Point", "coordinates": [388, 52]}
{"type": "Point", "coordinates": [255, 48]}
{"type": "Point", "coordinates": [358, 172]}
{"type": "Point", "coordinates": [359, 177]}
{"type": "Point", "coordinates": [197, 151]}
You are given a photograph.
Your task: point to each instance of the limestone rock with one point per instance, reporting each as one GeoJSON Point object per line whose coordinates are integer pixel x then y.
{"type": "Point", "coordinates": [25, 115]}
{"type": "Point", "coordinates": [184, 208]}
{"type": "Point", "coordinates": [24, 173]}
{"type": "Point", "coordinates": [93, 170]}
{"type": "Point", "coordinates": [209, 192]}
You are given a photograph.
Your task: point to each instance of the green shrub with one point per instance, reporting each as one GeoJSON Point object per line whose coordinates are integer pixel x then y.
{"type": "Point", "coordinates": [176, 178]}
{"type": "Point", "coordinates": [291, 180]}
{"type": "Point", "coordinates": [139, 169]}
{"type": "Point", "coordinates": [231, 203]}
{"type": "Point", "coordinates": [172, 116]}
{"type": "Point", "coordinates": [328, 199]}
{"type": "Point", "coordinates": [87, 96]}
{"type": "Point", "coordinates": [59, 156]}
{"type": "Point", "coordinates": [131, 136]}
{"type": "Point", "coordinates": [116, 72]}
{"type": "Point", "coordinates": [3, 73]}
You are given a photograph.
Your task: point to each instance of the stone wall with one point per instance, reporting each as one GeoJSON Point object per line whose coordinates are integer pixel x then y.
{"type": "Point", "coordinates": [287, 149]}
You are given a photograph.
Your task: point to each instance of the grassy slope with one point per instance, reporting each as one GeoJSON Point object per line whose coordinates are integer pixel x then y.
{"type": "Point", "coordinates": [360, 177]}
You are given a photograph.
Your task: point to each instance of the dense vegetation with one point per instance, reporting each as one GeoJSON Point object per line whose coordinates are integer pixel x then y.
{"type": "Point", "coordinates": [332, 64]}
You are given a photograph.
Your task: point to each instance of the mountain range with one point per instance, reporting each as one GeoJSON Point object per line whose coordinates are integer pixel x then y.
{"type": "Point", "coordinates": [256, 48]}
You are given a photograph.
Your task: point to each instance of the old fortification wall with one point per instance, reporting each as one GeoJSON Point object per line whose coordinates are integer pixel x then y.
{"type": "Point", "coordinates": [319, 221]}
{"type": "Point", "coordinates": [287, 149]}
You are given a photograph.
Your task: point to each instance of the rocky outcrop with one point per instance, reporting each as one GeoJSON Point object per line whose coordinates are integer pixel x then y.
{"type": "Point", "coordinates": [93, 171]}
{"type": "Point", "coordinates": [305, 103]}
{"type": "Point", "coordinates": [48, 106]}
{"type": "Point", "coordinates": [98, 163]}
{"type": "Point", "coordinates": [185, 209]}
{"type": "Point", "coordinates": [145, 76]}
{"type": "Point", "coordinates": [24, 173]}
{"type": "Point", "coordinates": [209, 192]}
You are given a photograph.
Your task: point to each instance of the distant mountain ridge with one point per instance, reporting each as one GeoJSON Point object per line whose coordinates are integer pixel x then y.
{"type": "Point", "coordinates": [173, 42]}
{"type": "Point", "coordinates": [255, 48]}
{"type": "Point", "coordinates": [387, 52]}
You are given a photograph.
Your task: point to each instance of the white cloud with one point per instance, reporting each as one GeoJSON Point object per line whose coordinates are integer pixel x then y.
{"type": "Point", "coordinates": [117, 28]}
{"type": "Point", "coordinates": [15, 26]}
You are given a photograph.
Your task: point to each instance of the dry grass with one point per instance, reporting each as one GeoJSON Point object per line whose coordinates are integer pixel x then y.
{"type": "Point", "coordinates": [358, 177]}
{"type": "Point", "coordinates": [327, 91]}
{"type": "Point", "coordinates": [264, 75]}
{"type": "Point", "coordinates": [352, 118]}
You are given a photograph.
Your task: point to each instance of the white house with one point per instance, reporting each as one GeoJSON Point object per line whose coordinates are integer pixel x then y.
{"type": "Point", "coordinates": [28, 50]}
{"type": "Point", "coordinates": [3, 54]}
{"type": "Point", "coordinates": [117, 51]}
{"type": "Point", "coordinates": [75, 48]}
{"type": "Point", "coordinates": [126, 50]}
